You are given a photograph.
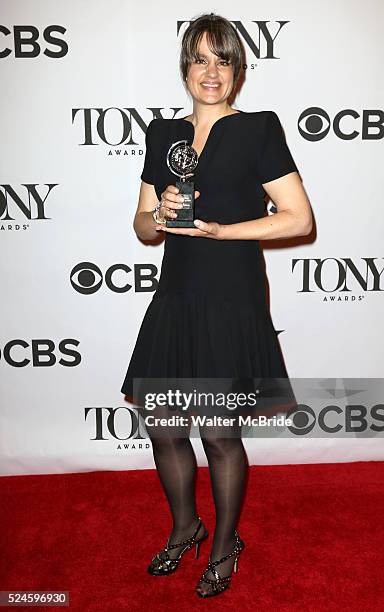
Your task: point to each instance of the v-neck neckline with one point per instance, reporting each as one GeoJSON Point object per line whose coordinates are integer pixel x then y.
{"type": "Point", "coordinates": [238, 112]}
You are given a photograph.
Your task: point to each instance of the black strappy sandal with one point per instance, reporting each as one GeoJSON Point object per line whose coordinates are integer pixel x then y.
{"type": "Point", "coordinates": [221, 583]}
{"type": "Point", "coordinates": [162, 564]}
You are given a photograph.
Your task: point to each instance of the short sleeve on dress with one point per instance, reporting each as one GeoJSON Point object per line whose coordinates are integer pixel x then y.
{"type": "Point", "coordinates": [275, 159]}
{"type": "Point", "coordinates": [148, 173]}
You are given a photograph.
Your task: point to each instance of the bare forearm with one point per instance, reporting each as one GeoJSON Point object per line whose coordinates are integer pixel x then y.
{"type": "Point", "coordinates": [144, 226]}
{"type": "Point", "coordinates": [282, 224]}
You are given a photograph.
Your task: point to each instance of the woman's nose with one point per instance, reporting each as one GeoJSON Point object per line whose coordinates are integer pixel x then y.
{"type": "Point", "coordinates": [212, 70]}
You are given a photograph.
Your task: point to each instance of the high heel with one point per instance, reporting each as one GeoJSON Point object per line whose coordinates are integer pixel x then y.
{"type": "Point", "coordinates": [198, 545]}
{"type": "Point", "coordinates": [221, 583]}
{"type": "Point", "coordinates": [162, 564]}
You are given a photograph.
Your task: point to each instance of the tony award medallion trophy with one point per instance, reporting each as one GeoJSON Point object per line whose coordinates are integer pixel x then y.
{"type": "Point", "coordinates": [182, 160]}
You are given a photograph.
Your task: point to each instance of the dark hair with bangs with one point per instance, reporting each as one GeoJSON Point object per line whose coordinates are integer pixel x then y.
{"type": "Point", "coordinates": [222, 39]}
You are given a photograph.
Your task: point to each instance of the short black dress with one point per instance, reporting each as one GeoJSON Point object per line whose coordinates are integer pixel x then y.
{"type": "Point", "coordinates": [208, 316]}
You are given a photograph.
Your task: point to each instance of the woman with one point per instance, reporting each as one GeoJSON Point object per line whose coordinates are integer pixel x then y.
{"type": "Point", "coordinates": [208, 316]}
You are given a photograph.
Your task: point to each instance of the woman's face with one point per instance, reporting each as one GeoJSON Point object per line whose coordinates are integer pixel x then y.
{"type": "Point", "coordinates": [210, 78]}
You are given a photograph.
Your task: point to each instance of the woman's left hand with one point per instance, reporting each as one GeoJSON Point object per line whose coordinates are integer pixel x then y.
{"type": "Point", "coordinates": [203, 229]}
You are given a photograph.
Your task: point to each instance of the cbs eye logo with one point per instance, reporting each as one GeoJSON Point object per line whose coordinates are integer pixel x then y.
{"type": "Point", "coordinates": [87, 278]}
{"type": "Point", "coordinates": [314, 124]}
{"type": "Point", "coordinates": [303, 420]}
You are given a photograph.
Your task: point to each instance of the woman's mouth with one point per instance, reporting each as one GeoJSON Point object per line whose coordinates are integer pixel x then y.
{"type": "Point", "coordinates": [210, 86]}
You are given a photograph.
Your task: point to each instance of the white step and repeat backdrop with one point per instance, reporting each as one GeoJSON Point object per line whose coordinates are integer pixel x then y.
{"type": "Point", "coordinates": [80, 82]}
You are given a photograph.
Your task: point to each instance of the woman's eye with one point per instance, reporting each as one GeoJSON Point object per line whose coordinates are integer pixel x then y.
{"type": "Point", "coordinates": [201, 59]}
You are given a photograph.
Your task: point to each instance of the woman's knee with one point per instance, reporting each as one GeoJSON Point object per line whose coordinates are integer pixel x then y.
{"type": "Point", "coordinates": [168, 443]}
{"type": "Point", "coordinates": [219, 447]}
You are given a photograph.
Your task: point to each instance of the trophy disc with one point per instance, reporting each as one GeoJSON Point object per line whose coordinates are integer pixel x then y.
{"type": "Point", "coordinates": [182, 159]}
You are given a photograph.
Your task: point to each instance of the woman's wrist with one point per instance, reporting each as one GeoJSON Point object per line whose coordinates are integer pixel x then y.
{"type": "Point", "coordinates": [224, 232]}
{"type": "Point", "coordinates": [156, 215]}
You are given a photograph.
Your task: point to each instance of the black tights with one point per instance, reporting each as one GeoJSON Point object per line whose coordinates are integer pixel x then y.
{"type": "Point", "coordinates": [177, 467]}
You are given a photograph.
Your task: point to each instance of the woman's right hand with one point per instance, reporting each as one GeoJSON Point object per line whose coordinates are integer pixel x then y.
{"type": "Point", "coordinates": [171, 200]}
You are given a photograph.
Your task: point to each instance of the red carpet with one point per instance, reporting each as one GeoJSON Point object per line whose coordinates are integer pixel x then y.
{"type": "Point", "coordinates": [314, 538]}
